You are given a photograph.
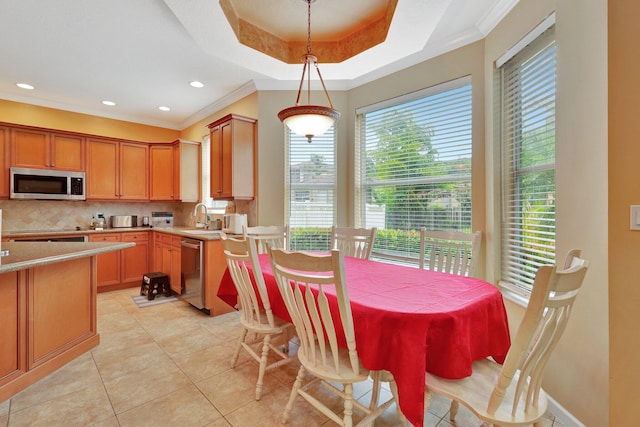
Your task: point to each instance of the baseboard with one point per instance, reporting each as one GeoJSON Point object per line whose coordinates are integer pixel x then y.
{"type": "Point", "coordinates": [562, 414]}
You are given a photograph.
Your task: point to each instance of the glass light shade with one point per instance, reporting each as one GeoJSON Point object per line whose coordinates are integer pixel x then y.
{"type": "Point", "coordinates": [309, 120]}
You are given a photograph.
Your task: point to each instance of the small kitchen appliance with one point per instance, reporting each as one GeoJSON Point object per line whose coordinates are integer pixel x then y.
{"type": "Point", "coordinates": [162, 219]}
{"type": "Point", "coordinates": [124, 221]}
{"type": "Point", "coordinates": [233, 223]}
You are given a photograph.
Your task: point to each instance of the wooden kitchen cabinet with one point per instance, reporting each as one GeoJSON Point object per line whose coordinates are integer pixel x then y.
{"type": "Point", "coordinates": [134, 171]}
{"type": "Point", "coordinates": [109, 264]}
{"type": "Point", "coordinates": [125, 268]}
{"type": "Point", "coordinates": [12, 328]}
{"type": "Point", "coordinates": [117, 170]}
{"type": "Point", "coordinates": [164, 182]}
{"type": "Point", "coordinates": [167, 259]}
{"type": "Point", "coordinates": [232, 157]}
{"type": "Point", "coordinates": [4, 162]}
{"type": "Point", "coordinates": [32, 148]}
{"type": "Point", "coordinates": [174, 171]}
{"type": "Point", "coordinates": [135, 260]}
{"type": "Point", "coordinates": [215, 264]}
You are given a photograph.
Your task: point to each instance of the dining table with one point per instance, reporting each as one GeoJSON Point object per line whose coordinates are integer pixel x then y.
{"type": "Point", "coordinates": [409, 321]}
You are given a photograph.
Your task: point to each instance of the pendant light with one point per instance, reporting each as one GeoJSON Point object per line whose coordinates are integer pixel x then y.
{"type": "Point", "coordinates": [309, 120]}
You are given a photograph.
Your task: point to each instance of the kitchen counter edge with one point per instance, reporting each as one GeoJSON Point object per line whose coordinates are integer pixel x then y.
{"type": "Point", "coordinates": [24, 255]}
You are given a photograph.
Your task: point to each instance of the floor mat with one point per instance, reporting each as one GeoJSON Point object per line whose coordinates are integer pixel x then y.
{"type": "Point", "coordinates": [142, 301]}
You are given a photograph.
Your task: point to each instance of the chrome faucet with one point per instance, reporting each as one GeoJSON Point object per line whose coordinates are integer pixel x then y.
{"type": "Point", "coordinates": [200, 224]}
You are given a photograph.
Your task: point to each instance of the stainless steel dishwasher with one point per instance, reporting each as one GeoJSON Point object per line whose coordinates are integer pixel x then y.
{"type": "Point", "coordinates": [192, 275]}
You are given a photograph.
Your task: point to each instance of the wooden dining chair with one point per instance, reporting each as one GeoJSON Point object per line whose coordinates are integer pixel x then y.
{"type": "Point", "coordinates": [511, 394]}
{"type": "Point", "coordinates": [256, 316]}
{"type": "Point", "coordinates": [304, 279]}
{"type": "Point", "coordinates": [264, 235]}
{"type": "Point", "coordinates": [353, 242]}
{"type": "Point", "coordinates": [449, 251]}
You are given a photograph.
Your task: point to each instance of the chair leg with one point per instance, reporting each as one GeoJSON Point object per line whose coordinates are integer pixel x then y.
{"type": "Point", "coordinates": [292, 396]}
{"type": "Point", "coordinates": [347, 419]}
{"type": "Point", "coordinates": [263, 365]}
{"type": "Point", "coordinates": [234, 359]}
{"type": "Point", "coordinates": [453, 410]}
{"type": "Point", "coordinates": [375, 392]}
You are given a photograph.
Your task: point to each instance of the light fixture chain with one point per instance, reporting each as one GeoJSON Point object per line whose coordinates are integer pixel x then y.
{"type": "Point", "coordinates": [308, 26]}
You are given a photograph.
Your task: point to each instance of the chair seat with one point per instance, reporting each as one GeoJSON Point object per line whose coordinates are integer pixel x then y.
{"type": "Point", "coordinates": [474, 392]}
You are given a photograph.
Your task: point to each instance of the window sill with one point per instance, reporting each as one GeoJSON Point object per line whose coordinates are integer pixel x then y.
{"type": "Point", "coordinates": [514, 294]}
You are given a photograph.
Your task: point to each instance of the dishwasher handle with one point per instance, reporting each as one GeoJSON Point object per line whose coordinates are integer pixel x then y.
{"type": "Point", "coordinates": [188, 244]}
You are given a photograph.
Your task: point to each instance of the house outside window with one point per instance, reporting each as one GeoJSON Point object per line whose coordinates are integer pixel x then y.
{"type": "Point", "coordinates": [310, 189]}
{"type": "Point", "coordinates": [414, 167]}
{"type": "Point", "coordinates": [528, 91]}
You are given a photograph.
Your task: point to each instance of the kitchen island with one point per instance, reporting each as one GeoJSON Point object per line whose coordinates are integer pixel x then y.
{"type": "Point", "coordinates": [47, 308]}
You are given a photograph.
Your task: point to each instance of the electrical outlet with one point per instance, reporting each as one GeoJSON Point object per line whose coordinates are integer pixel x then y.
{"type": "Point", "coordinates": [634, 215]}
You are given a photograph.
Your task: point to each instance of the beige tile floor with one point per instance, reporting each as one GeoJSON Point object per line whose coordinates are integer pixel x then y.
{"type": "Point", "coordinates": [169, 365]}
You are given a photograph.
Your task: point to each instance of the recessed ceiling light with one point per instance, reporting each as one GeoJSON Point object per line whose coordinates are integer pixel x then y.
{"type": "Point", "coordinates": [196, 83]}
{"type": "Point", "coordinates": [164, 108]}
{"type": "Point", "coordinates": [25, 86]}
{"type": "Point", "coordinates": [109, 103]}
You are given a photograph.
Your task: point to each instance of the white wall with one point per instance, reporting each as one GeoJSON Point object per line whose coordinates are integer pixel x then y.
{"type": "Point", "coordinates": [578, 373]}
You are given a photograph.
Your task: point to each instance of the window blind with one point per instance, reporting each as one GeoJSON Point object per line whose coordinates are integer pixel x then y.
{"type": "Point", "coordinates": [311, 189]}
{"type": "Point", "coordinates": [528, 140]}
{"type": "Point", "coordinates": [415, 167]}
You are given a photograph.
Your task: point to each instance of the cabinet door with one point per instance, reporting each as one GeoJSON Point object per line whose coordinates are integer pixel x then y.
{"type": "Point", "coordinates": [12, 328]}
{"type": "Point", "coordinates": [135, 261]}
{"type": "Point", "coordinates": [162, 172]}
{"type": "Point", "coordinates": [134, 171]}
{"type": "Point", "coordinates": [109, 262]}
{"type": "Point", "coordinates": [102, 166]}
{"type": "Point", "coordinates": [30, 149]}
{"type": "Point", "coordinates": [4, 163]}
{"type": "Point", "coordinates": [216, 160]}
{"type": "Point", "coordinates": [67, 152]}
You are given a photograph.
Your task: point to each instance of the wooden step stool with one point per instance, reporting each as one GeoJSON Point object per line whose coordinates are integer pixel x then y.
{"type": "Point", "coordinates": [155, 283]}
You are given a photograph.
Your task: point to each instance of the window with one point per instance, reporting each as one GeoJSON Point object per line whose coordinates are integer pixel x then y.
{"type": "Point", "coordinates": [311, 190]}
{"type": "Point", "coordinates": [414, 168]}
{"type": "Point", "coordinates": [528, 86]}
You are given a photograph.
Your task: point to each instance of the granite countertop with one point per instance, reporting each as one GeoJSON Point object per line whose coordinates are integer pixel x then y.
{"type": "Point", "coordinates": [194, 233]}
{"type": "Point", "coordinates": [23, 255]}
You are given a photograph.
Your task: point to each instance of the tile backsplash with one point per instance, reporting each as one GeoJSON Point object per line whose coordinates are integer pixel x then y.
{"type": "Point", "coordinates": [24, 215]}
{"type": "Point", "coordinates": [54, 214]}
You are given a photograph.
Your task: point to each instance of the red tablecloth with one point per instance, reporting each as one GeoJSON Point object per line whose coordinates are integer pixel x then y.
{"type": "Point", "coordinates": [409, 321]}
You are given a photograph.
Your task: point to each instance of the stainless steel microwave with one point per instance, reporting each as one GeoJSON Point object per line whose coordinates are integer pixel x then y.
{"type": "Point", "coordinates": [47, 184]}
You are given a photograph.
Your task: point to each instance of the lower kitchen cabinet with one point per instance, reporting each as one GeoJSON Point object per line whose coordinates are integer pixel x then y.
{"type": "Point", "coordinates": [215, 264]}
{"type": "Point", "coordinates": [125, 268]}
{"type": "Point", "coordinates": [166, 259]}
{"type": "Point", "coordinates": [108, 263]}
{"type": "Point", "coordinates": [13, 331]}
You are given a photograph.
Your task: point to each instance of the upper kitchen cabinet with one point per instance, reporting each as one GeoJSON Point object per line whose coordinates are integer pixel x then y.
{"type": "Point", "coordinates": [4, 162]}
{"type": "Point", "coordinates": [117, 170]}
{"type": "Point", "coordinates": [175, 171]}
{"type": "Point", "coordinates": [233, 148]}
{"type": "Point", "coordinates": [163, 172]}
{"type": "Point", "coordinates": [31, 148]}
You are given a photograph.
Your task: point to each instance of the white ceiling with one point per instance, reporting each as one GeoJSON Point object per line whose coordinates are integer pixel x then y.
{"type": "Point", "coordinates": [142, 54]}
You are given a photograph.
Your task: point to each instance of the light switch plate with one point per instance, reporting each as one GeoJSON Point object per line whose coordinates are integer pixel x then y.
{"type": "Point", "coordinates": [635, 217]}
